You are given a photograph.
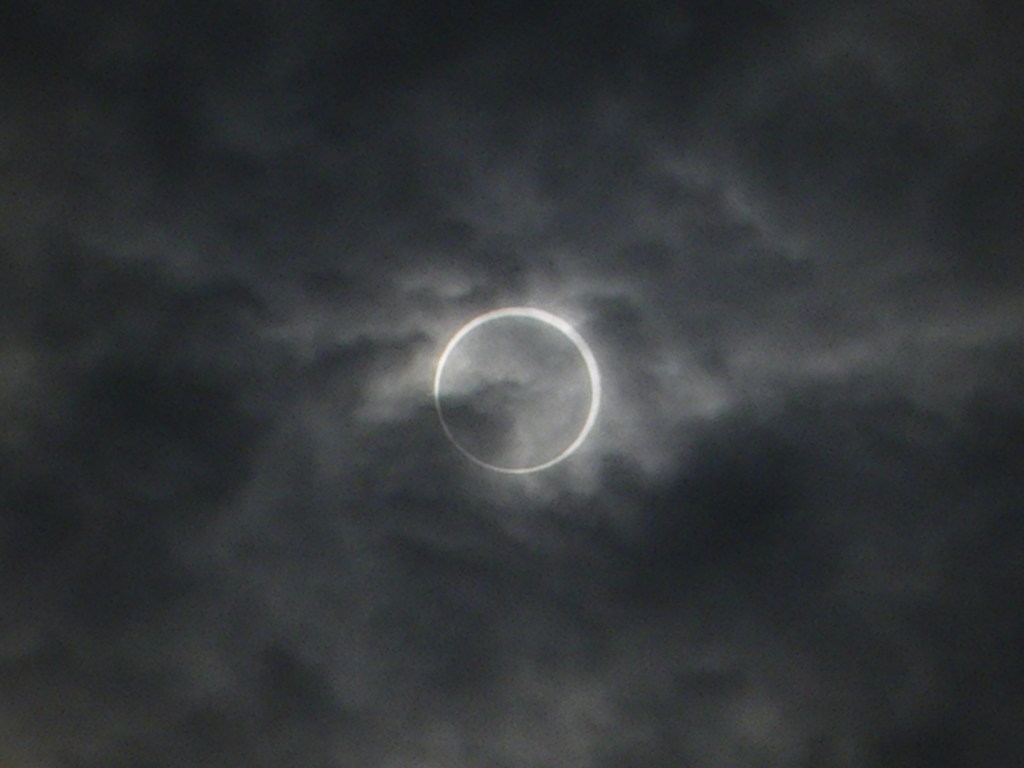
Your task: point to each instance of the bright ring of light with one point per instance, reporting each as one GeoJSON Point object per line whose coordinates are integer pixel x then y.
{"type": "Point", "coordinates": [555, 322]}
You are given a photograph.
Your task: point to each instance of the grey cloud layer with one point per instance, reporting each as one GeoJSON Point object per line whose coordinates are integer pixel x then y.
{"type": "Point", "coordinates": [233, 531]}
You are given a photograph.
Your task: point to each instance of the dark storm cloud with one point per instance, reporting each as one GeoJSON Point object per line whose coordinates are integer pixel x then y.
{"type": "Point", "coordinates": [236, 241]}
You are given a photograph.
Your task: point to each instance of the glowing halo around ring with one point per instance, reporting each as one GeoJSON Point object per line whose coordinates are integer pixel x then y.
{"type": "Point", "coordinates": [570, 333]}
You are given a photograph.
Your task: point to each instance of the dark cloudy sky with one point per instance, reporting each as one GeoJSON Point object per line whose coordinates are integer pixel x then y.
{"type": "Point", "coordinates": [234, 239]}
